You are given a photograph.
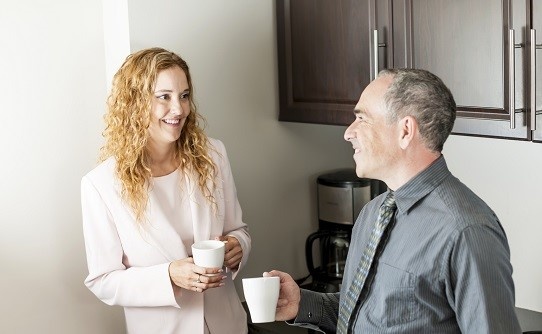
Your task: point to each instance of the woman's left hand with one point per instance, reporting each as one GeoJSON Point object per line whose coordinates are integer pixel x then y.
{"type": "Point", "coordinates": [233, 251]}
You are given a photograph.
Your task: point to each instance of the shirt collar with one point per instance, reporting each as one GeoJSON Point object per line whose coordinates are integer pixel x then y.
{"type": "Point", "coordinates": [422, 184]}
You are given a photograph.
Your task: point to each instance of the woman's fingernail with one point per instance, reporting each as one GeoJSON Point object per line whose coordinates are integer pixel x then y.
{"type": "Point", "coordinates": [221, 284]}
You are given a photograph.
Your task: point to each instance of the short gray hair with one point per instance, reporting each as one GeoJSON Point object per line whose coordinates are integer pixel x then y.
{"type": "Point", "coordinates": [422, 95]}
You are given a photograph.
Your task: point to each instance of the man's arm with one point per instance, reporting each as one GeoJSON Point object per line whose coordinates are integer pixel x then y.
{"type": "Point", "coordinates": [305, 308]}
{"type": "Point", "coordinates": [479, 282]}
{"type": "Point", "coordinates": [318, 311]}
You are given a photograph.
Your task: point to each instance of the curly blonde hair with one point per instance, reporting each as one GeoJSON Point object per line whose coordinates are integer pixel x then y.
{"type": "Point", "coordinates": [127, 122]}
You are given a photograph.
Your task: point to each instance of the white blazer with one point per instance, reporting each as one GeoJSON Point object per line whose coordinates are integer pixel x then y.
{"type": "Point", "coordinates": [128, 266]}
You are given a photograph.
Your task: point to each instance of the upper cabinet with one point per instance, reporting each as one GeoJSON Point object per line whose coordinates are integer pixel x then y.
{"type": "Point", "coordinates": [324, 58]}
{"type": "Point", "coordinates": [484, 50]}
{"type": "Point", "coordinates": [474, 47]}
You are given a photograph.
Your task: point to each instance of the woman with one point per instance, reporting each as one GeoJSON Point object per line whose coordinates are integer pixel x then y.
{"type": "Point", "coordinates": [161, 186]}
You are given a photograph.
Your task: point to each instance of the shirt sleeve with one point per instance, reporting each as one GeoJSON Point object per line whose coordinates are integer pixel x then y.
{"type": "Point", "coordinates": [233, 215]}
{"type": "Point", "coordinates": [108, 278]}
{"type": "Point", "coordinates": [481, 289]}
{"type": "Point", "coordinates": [318, 311]}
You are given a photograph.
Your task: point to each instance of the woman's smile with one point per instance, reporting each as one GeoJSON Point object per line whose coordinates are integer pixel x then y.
{"type": "Point", "coordinates": [175, 121]}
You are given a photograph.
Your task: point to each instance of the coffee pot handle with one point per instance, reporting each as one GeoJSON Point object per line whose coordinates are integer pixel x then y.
{"type": "Point", "coordinates": [308, 250]}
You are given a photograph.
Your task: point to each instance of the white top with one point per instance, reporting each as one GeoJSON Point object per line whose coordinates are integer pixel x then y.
{"type": "Point", "coordinates": [170, 191]}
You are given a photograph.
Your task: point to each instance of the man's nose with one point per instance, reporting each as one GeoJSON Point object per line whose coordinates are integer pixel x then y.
{"type": "Point", "coordinates": [348, 133]}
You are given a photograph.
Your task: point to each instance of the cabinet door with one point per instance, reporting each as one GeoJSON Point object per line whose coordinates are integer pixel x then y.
{"type": "Point", "coordinates": [535, 62]}
{"type": "Point", "coordinates": [324, 58]}
{"type": "Point", "coordinates": [467, 43]}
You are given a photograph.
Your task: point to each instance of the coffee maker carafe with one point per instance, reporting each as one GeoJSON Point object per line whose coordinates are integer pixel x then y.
{"type": "Point", "coordinates": [333, 250]}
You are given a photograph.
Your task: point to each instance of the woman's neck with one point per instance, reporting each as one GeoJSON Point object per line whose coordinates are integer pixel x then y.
{"type": "Point", "coordinates": [163, 161]}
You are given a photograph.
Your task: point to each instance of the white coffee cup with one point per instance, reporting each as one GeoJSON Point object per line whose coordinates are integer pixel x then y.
{"type": "Point", "coordinates": [262, 295]}
{"type": "Point", "coordinates": [208, 253]}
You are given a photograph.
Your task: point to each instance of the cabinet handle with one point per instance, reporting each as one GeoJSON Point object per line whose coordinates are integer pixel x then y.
{"type": "Point", "coordinates": [375, 52]}
{"type": "Point", "coordinates": [512, 78]}
{"type": "Point", "coordinates": [533, 79]}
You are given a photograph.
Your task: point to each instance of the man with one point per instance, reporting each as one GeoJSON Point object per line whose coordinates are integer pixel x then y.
{"type": "Point", "coordinates": [442, 262]}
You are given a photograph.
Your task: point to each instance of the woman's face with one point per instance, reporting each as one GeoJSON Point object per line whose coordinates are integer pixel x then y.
{"type": "Point", "coordinates": [170, 107]}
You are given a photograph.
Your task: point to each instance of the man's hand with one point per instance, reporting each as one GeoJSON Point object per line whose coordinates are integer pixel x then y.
{"type": "Point", "coordinates": [289, 296]}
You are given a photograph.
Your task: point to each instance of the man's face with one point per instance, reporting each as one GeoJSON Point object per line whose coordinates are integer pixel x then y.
{"type": "Point", "coordinates": [375, 142]}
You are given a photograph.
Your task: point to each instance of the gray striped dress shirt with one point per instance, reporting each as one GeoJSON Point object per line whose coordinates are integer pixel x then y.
{"type": "Point", "coordinates": [444, 269]}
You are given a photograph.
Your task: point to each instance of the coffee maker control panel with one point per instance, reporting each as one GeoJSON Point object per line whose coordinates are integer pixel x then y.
{"type": "Point", "coordinates": [341, 205]}
{"type": "Point", "coordinates": [341, 196]}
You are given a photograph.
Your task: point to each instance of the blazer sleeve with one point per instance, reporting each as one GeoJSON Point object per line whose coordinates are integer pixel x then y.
{"type": "Point", "coordinates": [233, 220]}
{"type": "Point", "coordinates": [108, 277]}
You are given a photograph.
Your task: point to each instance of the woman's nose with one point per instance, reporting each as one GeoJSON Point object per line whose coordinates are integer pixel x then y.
{"type": "Point", "coordinates": [176, 107]}
{"type": "Point", "coordinates": [175, 111]}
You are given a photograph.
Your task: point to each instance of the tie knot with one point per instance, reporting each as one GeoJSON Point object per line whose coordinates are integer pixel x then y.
{"type": "Point", "coordinates": [389, 201]}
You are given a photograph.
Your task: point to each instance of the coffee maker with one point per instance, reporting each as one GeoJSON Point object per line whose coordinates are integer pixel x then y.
{"type": "Point", "coordinates": [341, 195]}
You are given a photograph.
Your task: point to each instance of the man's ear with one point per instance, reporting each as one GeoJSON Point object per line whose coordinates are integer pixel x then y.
{"type": "Point", "coordinates": [408, 128]}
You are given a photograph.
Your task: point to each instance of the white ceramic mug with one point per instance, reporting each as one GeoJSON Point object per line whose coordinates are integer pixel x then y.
{"type": "Point", "coordinates": [208, 253]}
{"type": "Point", "coordinates": [262, 295]}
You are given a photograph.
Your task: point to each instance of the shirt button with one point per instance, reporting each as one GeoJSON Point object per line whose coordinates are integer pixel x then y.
{"type": "Point", "coordinates": [310, 314]}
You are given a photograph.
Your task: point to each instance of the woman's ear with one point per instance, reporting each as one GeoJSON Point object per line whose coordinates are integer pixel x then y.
{"type": "Point", "coordinates": [408, 127]}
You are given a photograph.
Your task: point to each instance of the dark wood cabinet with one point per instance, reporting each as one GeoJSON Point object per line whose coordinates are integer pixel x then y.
{"type": "Point", "coordinates": [477, 48]}
{"type": "Point", "coordinates": [324, 58]}
{"type": "Point", "coordinates": [330, 50]}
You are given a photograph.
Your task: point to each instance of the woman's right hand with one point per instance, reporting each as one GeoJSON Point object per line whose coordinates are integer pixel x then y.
{"type": "Point", "coordinates": [185, 274]}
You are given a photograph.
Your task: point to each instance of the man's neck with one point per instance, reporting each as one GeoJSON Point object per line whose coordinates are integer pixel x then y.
{"type": "Point", "coordinates": [411, 166]}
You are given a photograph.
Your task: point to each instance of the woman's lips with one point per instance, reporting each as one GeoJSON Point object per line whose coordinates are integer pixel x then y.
{"type": "Point", "coordinates": [171, 121]}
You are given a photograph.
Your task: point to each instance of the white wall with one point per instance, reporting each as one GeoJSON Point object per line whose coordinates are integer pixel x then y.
{"type": "Point", "coordinates": [52, 88]}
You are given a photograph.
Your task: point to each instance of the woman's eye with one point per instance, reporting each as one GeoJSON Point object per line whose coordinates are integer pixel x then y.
{"type": "Point", "coordinates": [184, 96]}
{"type": "Point", "coordinates": [163, 97]}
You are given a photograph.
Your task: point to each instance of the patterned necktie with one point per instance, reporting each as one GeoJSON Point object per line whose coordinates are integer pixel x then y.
{"type": "Point", "coordinates": [348, 303]}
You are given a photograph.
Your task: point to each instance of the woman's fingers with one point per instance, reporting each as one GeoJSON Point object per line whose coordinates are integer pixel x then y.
{"type": "Point", "coordinates": [186, 275]}
{"type": "Point", "coordinates": [207, 282]}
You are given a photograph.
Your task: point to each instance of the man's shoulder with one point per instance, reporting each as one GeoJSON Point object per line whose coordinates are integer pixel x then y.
{"type": "Point", "coordinates": [463, 204]}
{"type": "Point", "coordinates": [457, 194]}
